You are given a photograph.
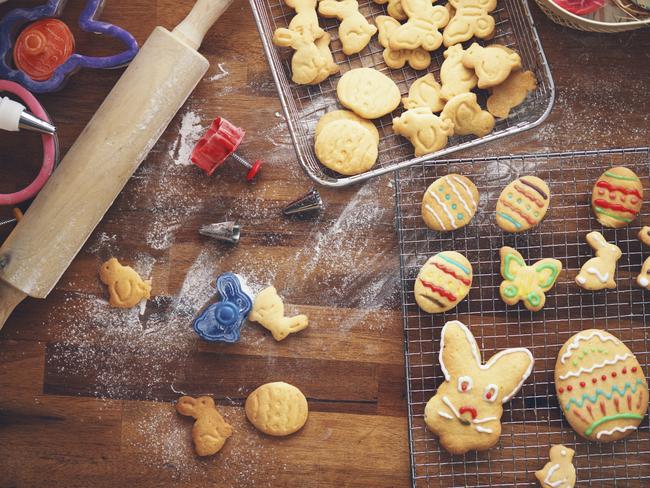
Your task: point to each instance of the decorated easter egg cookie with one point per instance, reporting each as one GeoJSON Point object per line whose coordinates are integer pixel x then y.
{"type": "Point", "coordinates": [617, 197]}
{"type": "Point", "coordinates": [443, 281]}
{"type": "Point", "coordinates": [523, 204]}
{"type": "Point", "coordinates": [600, 386]}
{"type": "Point", "coordinates": [449, 203]}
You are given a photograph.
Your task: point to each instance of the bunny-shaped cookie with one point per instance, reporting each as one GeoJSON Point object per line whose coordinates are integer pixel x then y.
{"type": "Point", "coordinates": [454, 76]}
{"type": "Point", "coordinates": [527, 283]}
{"type": "Point", "coordinates": [427, 132]}
{"type": "Point", "coordinates": [396, 58]}
{"type": "Point", "coordinates": [268, 310]}
{"type": "Point", "coordinates": [210, 430]}
{"type": "Point", "coordinates": [355, 31]}
{"type": "Point", "coordinates": [598, 273]}
{"type": "Point", "coordinates": [465, 413]}
{"type": "Point", "coordinates": [125, 287]}
{"type": "Point", "coordinates": [472, 18]}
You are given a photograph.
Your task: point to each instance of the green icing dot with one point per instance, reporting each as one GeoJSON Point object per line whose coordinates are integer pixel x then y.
{"type": "Point", "coordinates": [518, 200]}
{"type": "Point", "coordinates": [509, 196]}
{"type": "Point", "coordinates": [447, 196]}
{"type": "Point", "coordinates": [441, 189]}
{"type": "Point", "coordinates": [575, 363]}
{"type": "Point", "coordinates": [536, 214]}
{"type": "Point", "coordinates": [460, 216]}
{"type": "Point", "coordinates": [527, 207]}
{"type": "Point", "coordinates": [454, 206]}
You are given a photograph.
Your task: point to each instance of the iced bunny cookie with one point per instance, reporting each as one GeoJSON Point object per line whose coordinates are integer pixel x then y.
{"type": "Point", "coordinates": [559, 472]}
{"type": "Point", "coordinates": [277, 409]}
{"type": "Point", "coordinates": [368, 93]}
{"type": "Point", "coordinates": [210, 431]}
{"type": "Point", "coordinates": [465, 413]}
{"type": "Point", "coordinates": [396, 58]}
{"type": "Point", "coordinates": [454, 76]}
{"type": "Point", "coordinates": [600, 386]}
{"type": "Point", "coordinates": [472, 18]}
{"type": "Point", "coordinates": [449, 203]}
{"type": "Point", "coordinates": [492, 64]}
{"type": "Point", "coordinates": [268, 311]}
{"type": "Point", "coordinates": [643, 278]}
{"type": "Point", "coordinates": [443, 281]}
{"type": "Point", "coordinates": [526, 283]}
{"type": "Point", "coordinates": [427, 132]}
{"type": "Point", "coordinates": [125, 287]}
{"type": "Point", "coordinates": [468, 117]}
{"type": "Point", "coordinates": [355, 31]}
{"type": "Point", "coordinates": [421, 28]}
{"type": "Point", "coordinates": [424, 92]}
{"type": "Point", "coordinates": [522, 204]}
{"type": "Point", "coordinates": [346, 146]}
{"type": "Point", "coordinates": [510, 93]}
{"type": "Point", "coordinates": [617, 197]}
{"type": "Point", "coordinates": [598, 273]}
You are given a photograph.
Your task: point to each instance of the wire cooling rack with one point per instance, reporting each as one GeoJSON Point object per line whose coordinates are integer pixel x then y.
{"type": "Point", "coordinates": [532, 421]}
{"type": "Point", "coordinates": [303, 104]}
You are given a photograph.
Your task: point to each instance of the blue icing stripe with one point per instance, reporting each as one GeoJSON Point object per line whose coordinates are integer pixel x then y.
{"type": "Point", "coordinates": [599, 392]}
{"type": "Point", "coordinates": [455, 263]}
{"type": "Point", "coordinates": [510, 219]}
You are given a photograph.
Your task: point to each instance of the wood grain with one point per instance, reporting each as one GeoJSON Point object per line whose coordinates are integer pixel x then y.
{"type": "Point", "coordinates": [85, 392]}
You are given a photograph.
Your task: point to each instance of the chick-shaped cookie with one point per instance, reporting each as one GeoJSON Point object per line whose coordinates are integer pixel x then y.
{"type": "Point", "coordinates": [492, 64]}
{"type": "Point", "coordinates": [210, 431]}
{"type": "Point", "coordinates": [268, 311]}
{"type": "Point", "coordinates": [125, 287]}
{"type": "Point", "coordinates": [598, 273]}
{"type": "Point", "coordinates": [427, 132]}
{"type": "Point", "coordinates": [559, 471]}
{"type": "Point", "coordinates": [468, 117]}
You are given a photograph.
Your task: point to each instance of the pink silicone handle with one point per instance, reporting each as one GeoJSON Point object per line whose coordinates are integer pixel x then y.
{"type": "Point", "coordinates": [49, 147]}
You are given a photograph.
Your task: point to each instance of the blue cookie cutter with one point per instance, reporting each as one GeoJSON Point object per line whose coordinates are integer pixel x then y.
{"type": "Point", "coordinates": [222, 321]}
{"type": "Point", "coordinates": [12, 23]}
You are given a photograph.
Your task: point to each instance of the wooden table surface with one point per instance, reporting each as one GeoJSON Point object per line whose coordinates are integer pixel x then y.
{"type": "Point", "coordinates": [86, 392]}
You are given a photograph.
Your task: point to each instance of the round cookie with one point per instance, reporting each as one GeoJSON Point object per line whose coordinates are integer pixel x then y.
{"type": "Point", "coordinates": [449, 203]}
{"type": "Point", "coordinates": [346, 146]}
{"type": "Point", "coordinates": [443, 281]}
{"type": "Point", "coordinates": [617, 197]}
{"type": "Point", "coordinates": [277, 409]}
{"type": "Point", "coordinates": [522, 204]}
{"type": "Point", "coordinates": [600, 386]}
{"type": "Point", "coordinates": [346, 115]}
{"type": "Point", "coordinates": [368, 93]}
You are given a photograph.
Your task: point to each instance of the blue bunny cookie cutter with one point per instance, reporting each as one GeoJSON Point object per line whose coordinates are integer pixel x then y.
{"type": "Point", "coordinates": [17, 19]}
{"type": "Point", "coordinates": [222, 321]}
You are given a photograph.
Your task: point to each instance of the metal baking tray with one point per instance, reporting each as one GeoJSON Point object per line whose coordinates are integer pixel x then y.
{"type": "Point", "coordinates": [532, 421]}
{"type": "Point", "coordinates": [304, 105]}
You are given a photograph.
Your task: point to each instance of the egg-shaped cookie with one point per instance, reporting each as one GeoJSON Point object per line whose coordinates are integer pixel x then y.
{"type": "Point", "coordinates": [617, 197]}
{"type": "Point", "coordinates": [368, 93]}
{"type": "Point", "coordinates": [443, 281]}
{"type": "Point", "coordinates": [600, 386]}
{"type": "Point", "coordinates": [347, 146]}
{"type": "Point", "coordinates": [277, 409]}
{"type": "Point", "coordinates": [523, 204]}
{"type": "Point", "coordinates": [449, 203]}
{"type": "Point", "coordinates": [346, 115]}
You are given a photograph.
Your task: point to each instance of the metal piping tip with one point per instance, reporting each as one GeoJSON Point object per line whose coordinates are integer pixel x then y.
{"type": "Point", "coordinates": [222, 231]}
{"type": "Point", "coordinates": [309, 202]}
{"type": "Point", "coordinates": [31, 122]}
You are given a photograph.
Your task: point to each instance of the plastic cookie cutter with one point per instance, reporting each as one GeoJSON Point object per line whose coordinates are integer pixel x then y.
{"type": "Point", "coordinates": [43, 55]}
{"type": "Point", "coordinates": [218, 144]}
{"type": "Point", "coordinates": [50, 145]}
{"type": "Point", "coordinates": [222, 321]}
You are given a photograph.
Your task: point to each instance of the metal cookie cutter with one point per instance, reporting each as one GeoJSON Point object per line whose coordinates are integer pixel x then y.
{"type": "Point", "coordinates": [222, 231]}
{"type": "Point", "coordinates": [43, 54]}
{"type": "Point", "coordinates": [222, 321]}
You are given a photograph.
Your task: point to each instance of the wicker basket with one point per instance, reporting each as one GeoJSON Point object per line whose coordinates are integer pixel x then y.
{"type": "Point", "coordinates": [562, 17]}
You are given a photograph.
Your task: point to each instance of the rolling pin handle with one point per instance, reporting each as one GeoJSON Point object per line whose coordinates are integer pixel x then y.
{"type": "Point", "coordinates": [192, 30]}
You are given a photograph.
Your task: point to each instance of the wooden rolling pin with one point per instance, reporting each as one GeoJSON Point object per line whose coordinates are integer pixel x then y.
{"type": "Point", "coordinates": [113, 144]}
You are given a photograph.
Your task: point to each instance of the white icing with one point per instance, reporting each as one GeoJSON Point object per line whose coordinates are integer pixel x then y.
{"type": "Point", "coordinates": [603, 278]}
{"type": "Point", "coordinates": [465, 379]}
{"type": "Point", "coordinates": [433, 212]}
{"type": "Point", "coordinates": [451, 407]}
{"type": "Point", "coordinates": [563, 452]}
{"type": "Point", "coordinates": [553, 484]}
{"type": "Point", "coordinates": [447, 402]}
{"type": "Point", "coordinates": [643, 281]}
{"type": "Point", "coordinates": [484, 430]}
{"type": "Point", "coordinates": [445, 415]}
{"type": "Point", "coordinates": [460, 198]}
{"type": "Point", "coordinates": [482, 421]}
{"type": "Point", "coordinates": [469, 193]}
{"type": "Point", "coordinates": [585, 337]}
{"type": "Point", "coordinates": [581, 279]}
{"type": "Point", "coordinates": [607, 362]}
{"type": "Point", "coordinates": [488, 388]}
{"type": "Point", "coordinates": [615, 429]}
{"type": "Point", "coordinates": [444, 207]}
{"type": "Point", "coordinates": [477, 357]}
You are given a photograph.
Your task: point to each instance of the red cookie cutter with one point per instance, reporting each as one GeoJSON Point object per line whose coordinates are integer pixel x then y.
{"type": "Point", "coordinates": [218, 144]}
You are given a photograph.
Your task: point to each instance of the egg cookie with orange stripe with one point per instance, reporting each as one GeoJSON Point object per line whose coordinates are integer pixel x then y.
{"type": "Point", "coordinates": [617, 197]}
{"type": "Point", "coordinates": [449, 203]}
{"type": "Point", "coordinates": [443, 281]}
{"type": "Point", "coordinates": [523, 204]}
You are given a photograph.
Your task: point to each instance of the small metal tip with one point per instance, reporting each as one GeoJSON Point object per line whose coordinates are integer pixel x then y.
{"type": "Point", "coordinates": [309, 202]}
{"type": "Point", "coordinates": [222, 231]}
{"type": "Point", "coordinates": [33, 123]}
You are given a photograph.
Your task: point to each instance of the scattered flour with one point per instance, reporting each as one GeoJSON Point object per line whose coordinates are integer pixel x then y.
{"type": "Point", "coordinates": [221, 74]}
{"type": "Point", "coordinates": [190, 132]}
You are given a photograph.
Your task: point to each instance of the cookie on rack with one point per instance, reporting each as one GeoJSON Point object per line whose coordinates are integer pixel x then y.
{"type": "Point", "coordinates": [455, 78]}
{"type": "Point", "coordinates": [526, 283]}
{"type": "Point", "coordinates": [598, 273]}
{"type": "Point", "coordinates": [422, 27]}
{"type": "Point", "coordinates": [511, 93]}
{"type": "Point", "coordinates": [443, 282]}
{"type": "Point", "coordinates": [277, 409]}
{"type": "Point", "coordinates": [465, 413]}
{"type": "Point", "coordinates": [471, 19]}
{"type": "Point", "coordinates": [368, 93]}
{"type": "Point", "coordinates": [468, 116]}
{"type": "Point", "coordinates": [523, 204]}
{"type": "Point", "coordinates": [644, 235]}
{"type": "Point", "coordinates": [600, 386]}
{"type": "Point", "coordinates": [427, 132]}
{"type": "Point", "coordinates": [394, 8]}
{"type": "Point", "coordinates": [492, 64]}
{"type": "Point", "coordinates": [449, 203]}
{"type": "Point", "coordinates": [347, 146]}
{"type": "Point", "coordinates": [355, 31]}
{"type": "Point", "coordinates": [346, 115]}
{"type": "Point", "coordinates": [559, 472]}
{"type": "Point", "coordinates": [643, 278]}
{"type": "Point", "coordinates": [617, 197]}
{"type": "Point", "coordinates": [417, 59]}
{"type": "Point", "coordinates": [424, 92]}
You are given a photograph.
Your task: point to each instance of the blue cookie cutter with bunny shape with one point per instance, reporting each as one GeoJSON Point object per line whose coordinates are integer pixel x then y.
{"type": "Point", "coordinates": [222, 321]}
{"type": "Point", "coordinates": [16, 19]}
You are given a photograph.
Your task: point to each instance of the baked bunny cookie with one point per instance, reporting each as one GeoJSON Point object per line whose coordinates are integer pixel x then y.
{"type": "Point", "coordinates": [643, 278]}
{"type": "Point", "coordinates": [268, 311]}
{"type": "Point", "coordinates": [617, 197]}
{"type": "Point", "coordinates": [559, 472]}
{"type": "Point", "coordinates": [354, 31]}
{"type": "Point", "coordinates": [421, 28]}
{"type": "Point", "coordinates": [125, 287]}
{"type": "Point", "coordinates": [598, 273]}
{"type": "Point", "coordinates": [644, 235]}
{"type": "Point", "coordinates": [424, 92]}
{"type": "Point", "coordinates": [210, 431]}
{"type": "Point", "coordinates": [465, 413]}
{"type": "Point", "coordinates": [472, 18]}
{"type": "Point", "coordinates": [468, 117]}
{"type": "Point", "coordinates": [600, 386]}
{"type": "Point", "coordinates": [510, 93]}
{"type": "Point", "coordinates": [449, 203]}
{"type": "Point", "coordinates": [443, 281]}
{"type": "Point", "coordinates": [526, 283]}
{"type": "Point", "coordinates": [427, 132]}
{"type": "Point", "coordinates": [492, 64]}
{"type": "Point", "coordinates": [396, 58]}
{"type": "Point", "coordinates": [454, 76]}
{"type": "Point", "coordinates": [522, 204]}
{"type": "Point", "coordinates": [394, 8]}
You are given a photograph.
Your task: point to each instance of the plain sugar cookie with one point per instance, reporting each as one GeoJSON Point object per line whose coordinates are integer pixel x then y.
{"type": "Point", "coordinates": [449, 203]}
{"type": "Point", "coordinates": [277, 409]}
{"type": "Point", "coordinates": [522, 204]}
{"type": "Point", "coordinates": [347, 147]}
{"type": "Point", "coordinates": [368, 93]}
{"type": "Point", "coordinates": [600, 386]}
{"type": "Point", "coordinates": [346, 115]}
{"type": "Point", "coordinates": [617, 197]}
{"type": "Point", "coordinates": [443, 281]}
